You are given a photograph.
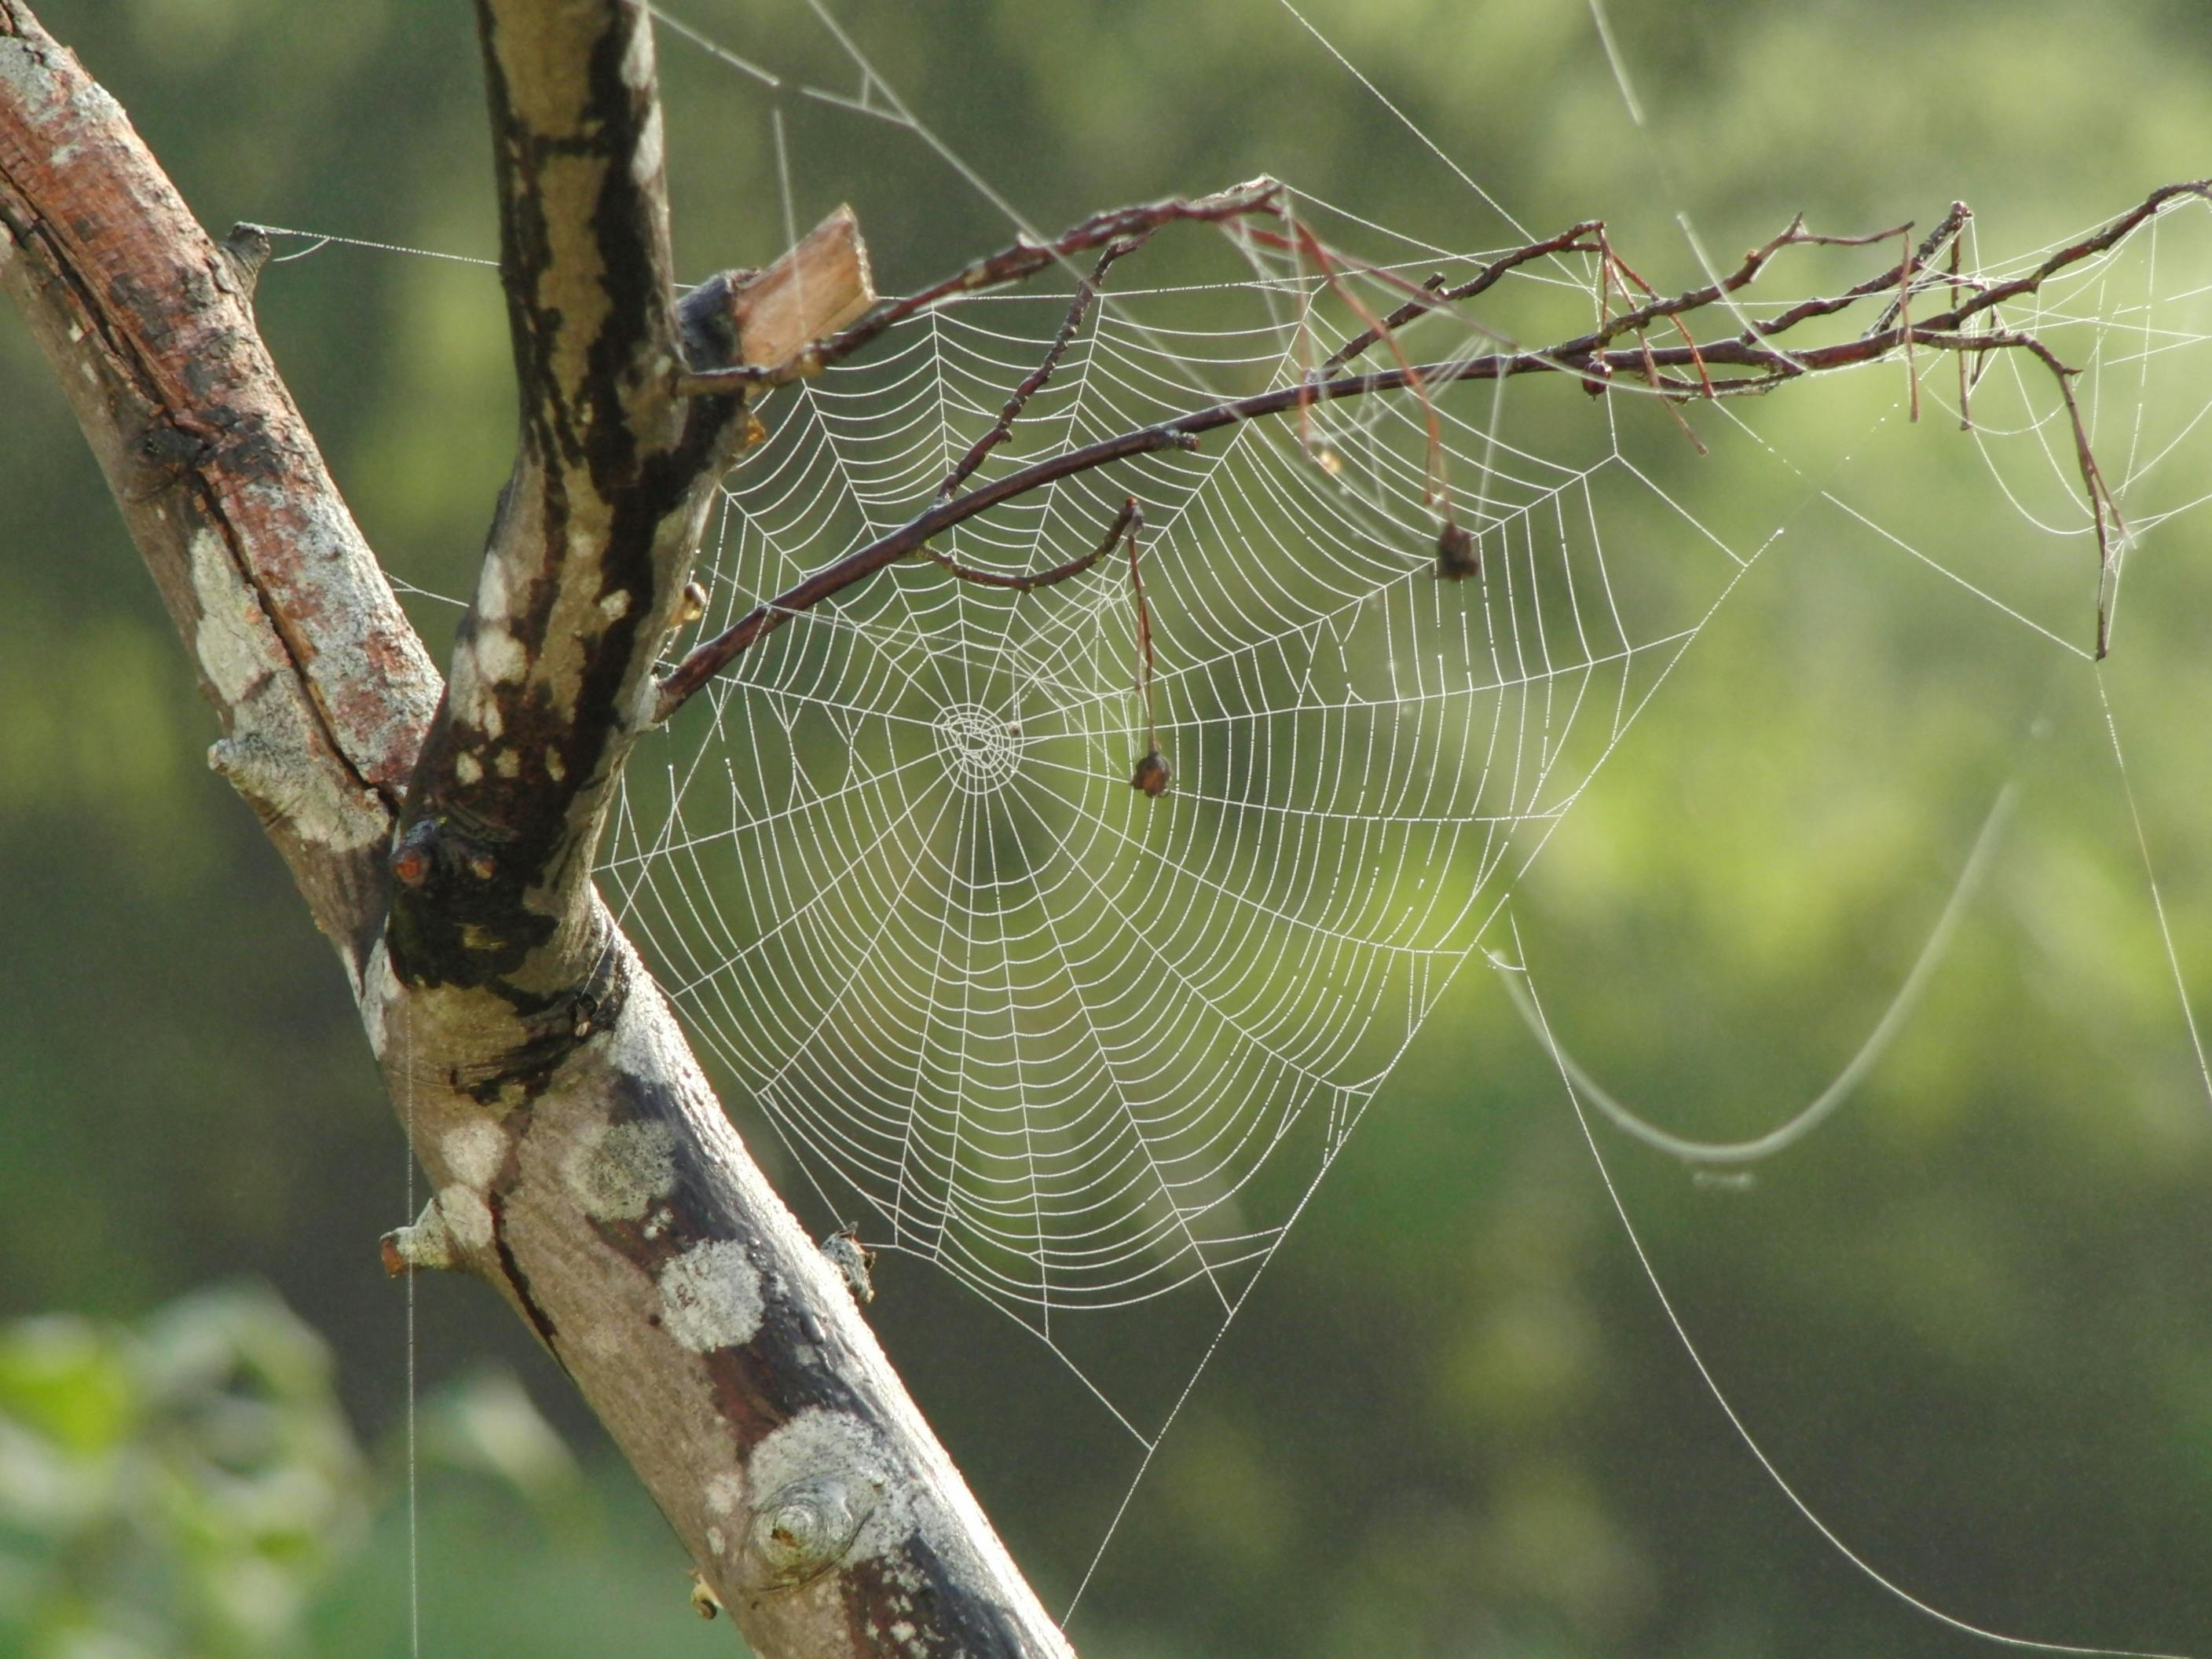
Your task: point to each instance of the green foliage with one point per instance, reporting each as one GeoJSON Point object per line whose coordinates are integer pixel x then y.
{"type": "Point", "coordinates": [176, 1489]}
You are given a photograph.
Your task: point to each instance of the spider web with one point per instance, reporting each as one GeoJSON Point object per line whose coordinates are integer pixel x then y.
{"type": "Point", "coordinates": [1089, 1053]}
{"type": "Point", "coordinates": [1085, 1050]}
{"type": "Point", "coordinates": [1079, 1046]}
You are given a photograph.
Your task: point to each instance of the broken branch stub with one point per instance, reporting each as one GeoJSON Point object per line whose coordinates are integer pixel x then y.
{"type": "Point", "coordinates": [808, 294]}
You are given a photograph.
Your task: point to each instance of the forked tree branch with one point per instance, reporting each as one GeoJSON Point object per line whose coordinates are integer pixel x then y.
{"type": "Point", "coordinates": [580, 1164]}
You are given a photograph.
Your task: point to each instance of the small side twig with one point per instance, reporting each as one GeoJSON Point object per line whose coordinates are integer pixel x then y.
{"type": "Point", "coordinates": [1086, 293]}
{"type": "Point", "coordinates": [1026, 583]}
{"type": "Point", "coordinates": [1152, 773]}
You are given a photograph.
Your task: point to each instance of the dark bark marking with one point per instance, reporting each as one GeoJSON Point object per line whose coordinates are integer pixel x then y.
{"type": "Point", "coordinates": [518, 1281]}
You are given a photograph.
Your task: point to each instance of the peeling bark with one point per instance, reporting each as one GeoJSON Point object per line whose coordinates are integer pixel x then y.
{"type": "Point", "coordinates": [580, 1164]}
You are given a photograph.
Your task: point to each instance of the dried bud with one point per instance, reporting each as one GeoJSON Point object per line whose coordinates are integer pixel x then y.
{"type": "Point", "coordinates": [1152, 773]}
{"type": "Point", "coordinates": [691, 605]}
{"type": "Point", "coordinates": [704, 1602]}
{"type": "Point", "coordinates": [1459, 555]}
{"type": "Point", "coordinates": [1597, 377]}
{"type": "Point", "coordinates": [854, 1262]}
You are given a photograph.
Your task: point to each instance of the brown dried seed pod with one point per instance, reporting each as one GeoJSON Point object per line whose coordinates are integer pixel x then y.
{"type": "Point", "coordinates": [1459, 555]}
{"type": "Point", "coordinates": [1152, 773]}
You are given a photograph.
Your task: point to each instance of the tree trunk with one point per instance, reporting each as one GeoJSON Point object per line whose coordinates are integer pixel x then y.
{"type": "Point", "coordinates": [444, 835]}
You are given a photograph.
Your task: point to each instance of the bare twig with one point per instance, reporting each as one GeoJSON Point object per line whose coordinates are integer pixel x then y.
{"type": "Point", "coordinates": [1152, 773]}
{"type": "Point", "coordinates": [1968, 326]}
{"type": "Point", "coordinates": [1569, 240]}
{"type": "Point", "coordinates": [1086, 291]}
{"type": "Point", "coordinates": [1026, 257]}
{"type": "Point", "coordinates": [1024, 584]}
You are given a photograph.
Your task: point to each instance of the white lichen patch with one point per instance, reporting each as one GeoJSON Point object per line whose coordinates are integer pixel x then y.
{"type": "Point", "coordinates": [556, 767]}
{"type": "Point", "coordinates": [717, 1540]}
{"type": "Point", "coordinates": [508, 764]}
{"type": "Point", "coordinates": [273, 754]}
{"type": "Point", "coordinates": [474, 1151]}
{"type": "Point", "coordinates": [468, 1217]}
{"type": "Point", "coordinates": [618, 1173]}
{"type": "Point", "coordinates": [644, 160]}
{"type": "Point", "coordinates": [467, 768]}
{"type": "Point", "coordinates": [428, 1243]}
{"type": "Point", "coordinates": [377, 990]}
{"type": "Point", "coordinates": [616, 605]}
{"type": "Point", "coordinates": [500, 656]}
{"type": "Point", "coordinates": [492, 606]}
{"type": "Point", "coordinates": [637, 55]}
{"type": "Point", "coordinates": [710, 1297]}
{"type": "Point", "coordinates": [724, 1493]}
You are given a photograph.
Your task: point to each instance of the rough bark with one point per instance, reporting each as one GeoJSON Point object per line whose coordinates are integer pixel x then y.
{"type": "Point", "coordinates": [580, 1163]}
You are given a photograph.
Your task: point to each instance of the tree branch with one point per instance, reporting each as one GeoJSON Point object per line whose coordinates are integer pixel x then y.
{"type": "Point", "coordinates": [322, 688]}
{"type": "Point", "coordinates": [580, 1164]}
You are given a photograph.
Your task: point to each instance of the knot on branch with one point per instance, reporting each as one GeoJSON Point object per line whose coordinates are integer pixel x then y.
{"type": "Point", "coordinates": [806, 1527]}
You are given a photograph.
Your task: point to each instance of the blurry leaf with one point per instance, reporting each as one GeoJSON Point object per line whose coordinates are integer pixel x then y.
{"type": "Point", "coordinates": [175, 1491]}
{"type": "Point", "coordinates": [59, 1378]}
{"type": "Point", "coordinates": [485, 1422]}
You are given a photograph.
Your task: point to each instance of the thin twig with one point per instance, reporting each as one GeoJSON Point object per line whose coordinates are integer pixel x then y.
{"type": "Point", "coordinates": [1086, 291]}
{"type": "Point", "coordinates": [1970, 327]}
{"type": "Point", "coordinates": [1026, 257]}
{"type": "Point", "coordinates": [1569, 240]}
{"type": "Point", "coordinates": [1024, 584]}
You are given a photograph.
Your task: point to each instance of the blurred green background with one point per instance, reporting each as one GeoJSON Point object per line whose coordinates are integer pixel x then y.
{"type": "Point", "coordinates": [1969, 1321]}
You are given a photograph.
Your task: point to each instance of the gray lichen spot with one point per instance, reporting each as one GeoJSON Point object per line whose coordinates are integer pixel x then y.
{"type": "Point", "coordinates": [618, 1173]}
{"type": "Point", "coordinates": [24, 73]}
{"type": "Point", "coordinates": [710, 1297]}
{"type": "Point", "coordinates": [467, 1217]}
{"type": "Point", "coordinates": [272, 754]}
{"type": "Point", "coordinates": [828, 1492]}
{"type": "Point", "coordinates": [231, 650]}
{"type": "Point", "coordinates": [724, 1493]}
{"type": "Point", "coordinates": [474, 1151]}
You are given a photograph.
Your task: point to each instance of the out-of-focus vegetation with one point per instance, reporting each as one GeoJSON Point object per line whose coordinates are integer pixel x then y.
{"type": "Point", "coordinates": [181, 1489]}
{"type": "Point", "coordinates": [1969, 1320]}
{"type": "Point", "coordinates": [189, 1487]}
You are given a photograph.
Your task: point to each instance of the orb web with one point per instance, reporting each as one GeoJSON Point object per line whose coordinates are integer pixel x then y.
{"type": "Point", "coordinates": [1081, 1047]}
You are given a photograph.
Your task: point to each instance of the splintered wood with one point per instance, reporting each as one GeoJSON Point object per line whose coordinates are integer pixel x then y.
{"type": "Point", "coordinates": [807, 294]}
